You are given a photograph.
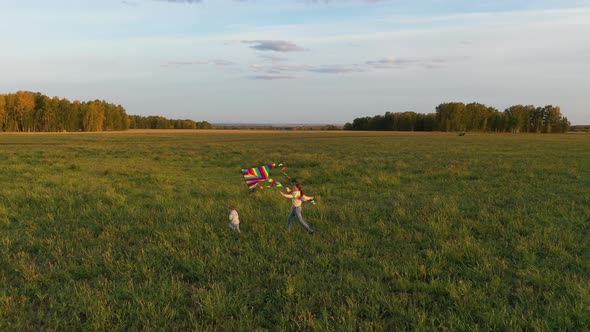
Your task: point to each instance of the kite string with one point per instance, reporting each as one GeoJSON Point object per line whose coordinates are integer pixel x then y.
{"type": "Point", "coordinates": [265, 172]}
{"type": "Point", "coordinates": [289, 190]}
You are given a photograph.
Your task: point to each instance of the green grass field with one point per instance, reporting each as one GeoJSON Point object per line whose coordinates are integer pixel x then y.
{"type": "Point", "coordinates": [413, 231]}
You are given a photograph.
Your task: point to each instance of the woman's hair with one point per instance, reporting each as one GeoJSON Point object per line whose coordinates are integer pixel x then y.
{"type": "Point", "coordinates": [298, 186]}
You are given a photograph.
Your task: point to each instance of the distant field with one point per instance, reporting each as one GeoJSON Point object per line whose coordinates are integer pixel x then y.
{"type": "Point", "coordinates": [128, 231]}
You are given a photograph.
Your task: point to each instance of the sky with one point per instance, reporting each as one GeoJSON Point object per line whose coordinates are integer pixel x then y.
{"type": "Point", "coordinates": [299, 61]}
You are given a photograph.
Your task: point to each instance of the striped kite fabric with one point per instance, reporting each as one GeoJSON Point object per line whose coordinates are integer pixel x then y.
{"type": "Point", "coordinates": [254, 175]}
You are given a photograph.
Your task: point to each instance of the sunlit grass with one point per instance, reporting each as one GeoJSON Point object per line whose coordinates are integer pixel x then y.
{"type": "Point", "coordinates": [434, 231]}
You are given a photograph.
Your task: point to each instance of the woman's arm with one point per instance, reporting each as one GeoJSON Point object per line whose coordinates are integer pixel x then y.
{"type": "Point", "coordinates": [285, 195]}
{"type": "Point", "coordinates": [307, 198]}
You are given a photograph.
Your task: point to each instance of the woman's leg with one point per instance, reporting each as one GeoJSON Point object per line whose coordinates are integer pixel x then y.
{"type": "Point", "coordinates": [291, 216]}
{"type": "Point", "coordinates": [297, 211]}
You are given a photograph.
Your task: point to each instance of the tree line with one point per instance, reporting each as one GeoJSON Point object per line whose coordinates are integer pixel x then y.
{"type": "Point", "coordinates": [26, 111]}
{"type": "Point", "coordinates": [471, 117]}
{"type": "Point", "coordinates": [160, 122]}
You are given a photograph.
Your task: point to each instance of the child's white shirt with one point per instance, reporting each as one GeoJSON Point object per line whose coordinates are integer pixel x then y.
{"type": "Point", "coordinates": [234, 217]}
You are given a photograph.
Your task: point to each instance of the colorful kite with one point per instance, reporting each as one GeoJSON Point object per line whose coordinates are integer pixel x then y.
{"type": "Point", "coordinates": [256, 175]}
{"type": "Point", "coordinates": [253, 176]}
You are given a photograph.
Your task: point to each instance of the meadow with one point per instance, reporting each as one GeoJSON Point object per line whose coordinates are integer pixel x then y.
{"type": "Point", "coordinates": [426, 231]}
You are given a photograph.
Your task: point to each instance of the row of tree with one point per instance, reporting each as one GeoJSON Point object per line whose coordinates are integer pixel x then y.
{"type": "Point", "coordinates": [34, 112]}
{"type": "Point", "coordinates": [470, 117]}
{"type": "Point", "coordinates": [160, 122]}
{"type": "Point", "coordinates": [406, 121]}
{"type": "Point", "coordinates": [26, 111]}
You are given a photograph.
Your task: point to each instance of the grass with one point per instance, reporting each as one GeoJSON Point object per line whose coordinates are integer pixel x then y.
{"type": "Point", "coordinates": [413, 231]}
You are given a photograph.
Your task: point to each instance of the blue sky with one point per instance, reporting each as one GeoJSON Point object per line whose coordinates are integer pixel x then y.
{"type": "Point", "coordinates": [291, 61]}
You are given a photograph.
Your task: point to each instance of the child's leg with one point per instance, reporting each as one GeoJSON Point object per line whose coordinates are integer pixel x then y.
{"type": "Point", "coordinates": [235, 227]}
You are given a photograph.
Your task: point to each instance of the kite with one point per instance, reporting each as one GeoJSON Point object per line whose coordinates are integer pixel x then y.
{"type": "Point", "coordinates": [256, 175]}
{"type": "Point", "coordinates": [253, 176]}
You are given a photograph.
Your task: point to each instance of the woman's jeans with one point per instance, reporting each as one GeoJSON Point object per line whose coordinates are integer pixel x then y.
{"type": "Point", "coordinates": [297, 213]}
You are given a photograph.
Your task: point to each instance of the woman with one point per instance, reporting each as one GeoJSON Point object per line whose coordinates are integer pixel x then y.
{"type": "Point", "coordinates": [297, 197]}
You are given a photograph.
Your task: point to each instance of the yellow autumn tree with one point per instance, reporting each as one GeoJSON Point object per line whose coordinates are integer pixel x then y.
{"type": "Point", "coordinates": [2, 112]}
{"type": "Point", "coordinates": [93, 116]}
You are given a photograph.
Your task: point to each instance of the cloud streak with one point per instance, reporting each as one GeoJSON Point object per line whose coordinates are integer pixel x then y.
{"type": "Point", "coordinates": [182, 1]}
{"type": "Point", "coordinates": [130, 3]}
{"type": "Point", "coordinates": [272, 77]}
{"type": "Point", "coordinates": [180, 64]}
{"type": "Point", "coordinates": [391, 63]}
{"type": "Point", "coordinates": [273, 58]}
{"type": "Point", "coordinates": [273, 45]}
{"type": "Point", "coordinates": [337, 69]}
{"type": "Point", "coordinates": [300, 68]}
{"type": "Point", "coordinates": [222, 63]}
{"type": "Point", "coordinates": [278, 70]}
{"type": "Point", "coordinates": [401, 63]}
{"type": "Point", "coordinates": [307, 1]}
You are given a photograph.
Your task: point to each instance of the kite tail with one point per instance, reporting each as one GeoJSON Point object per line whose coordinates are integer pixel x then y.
{"type": "Point", "coordinates": [311, 201]}
{"type": "Point", "coordinates": [256, 175]}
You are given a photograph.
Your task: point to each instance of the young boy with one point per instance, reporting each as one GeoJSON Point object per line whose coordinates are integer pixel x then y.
{"type": "Point", "coordinates": [234, 219]}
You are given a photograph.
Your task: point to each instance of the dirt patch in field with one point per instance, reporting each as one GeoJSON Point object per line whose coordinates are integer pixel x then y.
{"type": "Point", "coordinates": [28, 144]}
{"type": "Point", "coordinates": [211, 131]}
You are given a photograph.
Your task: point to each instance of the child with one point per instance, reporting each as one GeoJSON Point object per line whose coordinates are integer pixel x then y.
{"type": "Point", "coordinates": [234, 219]}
